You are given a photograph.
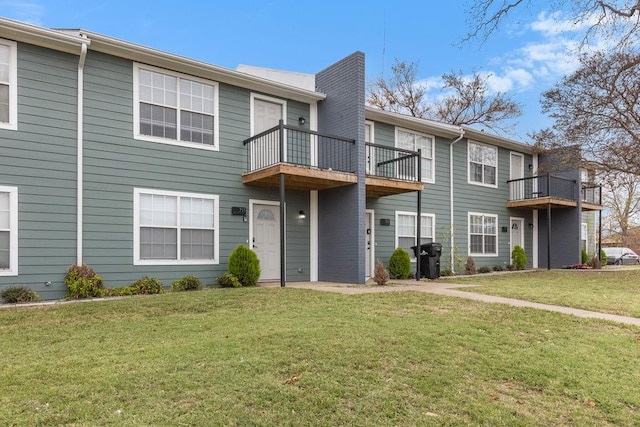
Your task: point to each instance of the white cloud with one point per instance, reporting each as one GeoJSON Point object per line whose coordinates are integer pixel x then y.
{"type": "Point", "coordinates": [28, 12]}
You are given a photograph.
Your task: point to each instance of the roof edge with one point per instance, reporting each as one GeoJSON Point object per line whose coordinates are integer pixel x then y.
{"type": "Point", "coordinates": [39, 36]}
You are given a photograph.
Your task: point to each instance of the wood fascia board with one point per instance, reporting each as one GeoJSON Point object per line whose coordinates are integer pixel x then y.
{"type": "Point", "coordinates": [150, 56]}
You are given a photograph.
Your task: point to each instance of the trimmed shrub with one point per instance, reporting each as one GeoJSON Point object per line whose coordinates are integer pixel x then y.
{"type": "Point", "coordinates": [19, 295]}
{"type": "Point", "coordinates": [470, 266]}
{"type": "Point", "coordinates": [603, 257]}
{"type": "Point", "coordinates": [228, 280]}
{"type": "Point", "coordinates": [121, 291]}
{"type": "Point", "coordinates": [83, 282]}
{"type": "Point", "coordinates": [186, 283]}
{"type": "Point", "coordinates": [584, 256]}
{"type": "Point", "coordinates": [446, 272]}
{"type": "Point", "coordinates": [244, 265]}
{"type": "Point", "coordinates": [519, 257]}
{"type": "Point", "coordinates": [511, 267]}
{"type": "Point", "coordinates": [399, 264]}
{"type": "Point", "coordinates": [484, 269]}
{"type": "Point", "coordinates": [380, 275]}
{"type": "Point", "coordinates": [147, 286]}
{"type": "Point", "coordinates": [498, 267]}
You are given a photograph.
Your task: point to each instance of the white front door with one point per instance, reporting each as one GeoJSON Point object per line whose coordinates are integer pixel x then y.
{"type": "Point", "coordinates": [369, 242]}
{"type": "Point", "coordinates": [517, 233]}
{"type": "Point", "coordinates": [266, 239]}
{"type": "Point", "coordinates": [266, 115]}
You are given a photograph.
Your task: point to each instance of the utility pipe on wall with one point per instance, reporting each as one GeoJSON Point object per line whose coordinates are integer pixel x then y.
{"type": "Point", "coordinates": [80, 154]}
{"type": "Point", "coordinates": [452, 243]}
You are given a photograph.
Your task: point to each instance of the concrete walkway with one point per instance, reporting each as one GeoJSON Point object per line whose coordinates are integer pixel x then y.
{"type": "Point", "coordinates": [450, 289]}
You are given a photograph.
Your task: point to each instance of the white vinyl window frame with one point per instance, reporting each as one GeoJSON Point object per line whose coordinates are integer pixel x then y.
{"type": "Point", "coordinates": [179, 77]}
{"type": "Point", "coordinates": [9, 79]}
{"type": "Point", "coordinates": [137, 192]}
{"type": "Point", "coordinates": [427, 232]}
{"type": "Point", "coordinates": [12, 210]}
{"type": "Point", "coordinates": [584, 235]}
{"type": "Point", "coordinates": [470, 175]}
{"type": "Point", "coordinates": [430, 158]}
{"type": "Point", "coordinates": [483, 233]}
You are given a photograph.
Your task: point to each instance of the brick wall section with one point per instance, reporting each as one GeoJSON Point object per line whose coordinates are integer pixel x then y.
{"type": "Point", "coordinates": [341, 219]}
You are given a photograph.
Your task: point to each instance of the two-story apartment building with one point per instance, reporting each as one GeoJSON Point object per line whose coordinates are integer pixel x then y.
{"type": "Point", "coordinates": [140, 162]}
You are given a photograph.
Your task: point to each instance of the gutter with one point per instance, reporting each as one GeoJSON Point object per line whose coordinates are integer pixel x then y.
{"type": "Point", "coordinates": [80, 154]}
{"type": "Point", "coordinates": [452, 232]}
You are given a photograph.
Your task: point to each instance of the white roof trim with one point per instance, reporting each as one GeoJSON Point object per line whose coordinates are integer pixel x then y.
{"type": "Point", "coordinates": [44, 37]}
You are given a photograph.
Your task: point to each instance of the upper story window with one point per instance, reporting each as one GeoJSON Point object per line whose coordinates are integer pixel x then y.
{"type": "Point", "coordinates": [413, 141]}
{"type": "Point", "coordinates": [483, 164]}
{"type": "Point", "coordinates": [8, 85]}
{"type": "Point", "coordinates": [175, 108]}
{"type": "Point", "coordinates": [175, 228]}
{"type": "Point", "coordinates": [8, 231]}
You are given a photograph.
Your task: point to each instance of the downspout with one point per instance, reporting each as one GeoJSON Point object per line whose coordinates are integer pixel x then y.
{"type": "Point", "coordinates": [80, 154]}
{"type": "Point", "coordinates": [452, 231]}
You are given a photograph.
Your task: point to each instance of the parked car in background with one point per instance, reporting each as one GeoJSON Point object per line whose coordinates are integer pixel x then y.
{"type": "Point", "coordinates": [621, 256]}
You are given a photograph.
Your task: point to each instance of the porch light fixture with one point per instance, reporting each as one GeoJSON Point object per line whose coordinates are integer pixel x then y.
{"type": "Point", "coordinates": [302, 215]}
{"type": "Point", "coordinates": [531, 226]}
{"type": "Point", "coordinates": [530, 167]}
{"type": "Point", "coordinates": [301, 121]}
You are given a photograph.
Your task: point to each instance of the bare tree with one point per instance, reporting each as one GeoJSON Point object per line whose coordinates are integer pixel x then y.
{"type": "Point", "coordinates": [621, 198]}
{"type": "Point", "coordinates": [467, 101]}
{"type": "Point", "coordinates": [598, 108]}
{"type": "Point", "coordinates": [617, 20]}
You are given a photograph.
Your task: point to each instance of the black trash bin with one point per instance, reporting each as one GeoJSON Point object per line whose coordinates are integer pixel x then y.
{"type": "Point", "coordinates": [429, 254]}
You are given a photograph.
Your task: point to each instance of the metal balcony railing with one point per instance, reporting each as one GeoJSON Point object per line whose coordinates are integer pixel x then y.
{"type": "Point", "coordinates": [592, 194]}
{"type": "Point", "coordinates": [298, 146]}
{"type": "Point", "coordinates": [391, 162]}
{"type": "Point", "coordinates": [552, 186]}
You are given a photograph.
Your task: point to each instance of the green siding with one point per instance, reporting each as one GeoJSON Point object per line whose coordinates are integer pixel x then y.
{"type": "Point", "coordinates": [40, 159]}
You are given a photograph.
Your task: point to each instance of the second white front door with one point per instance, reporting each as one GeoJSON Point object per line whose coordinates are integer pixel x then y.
{"type": "Point", "coordinates": [266, 239]}
{"type": "Point", "coordinates": [369, 242]}
{"type": "Point", "coordinates": [517, 233]}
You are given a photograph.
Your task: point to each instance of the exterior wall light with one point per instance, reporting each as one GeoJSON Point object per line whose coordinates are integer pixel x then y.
{"type": "Point", "coordinates": [301, 121]}
{"type": "Point", "coordinates": [302, 215]}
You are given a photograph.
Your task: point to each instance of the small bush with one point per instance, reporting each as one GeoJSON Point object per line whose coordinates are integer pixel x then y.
{"type": "Point", "coordinates": [83, 282]}
{"type": "Point", "coordinates": [228, 280]}
{"type": "Point", "coordinates": [519, 257]}
{"type": "Point", "coordinates": [470, 266]}
{"type": "Point", "coordinates": [603, 257]}
{"type": "Point", "coordinates": [380, 275]}
{"type": "Point", "coordinates": [595, 263]}
{"type": "Point", "coordinates": [121, 291]}
{"type": "Point", "coordinates": [186, 283]}
{"type": "Point", "coordinates": [244, 265]}
{"type": "Point", "coordinates": [511, 267]}
{"type": "Point", "coordinates": [484, 269]}
{"type": "Point", "coordinates": [147, 286]}
{"type": "Point", "coordinates": [446, 272]}
{"type": "Point", "coordinates": [19, 295]}
{"type": "Point", "coordinates": [399, 264]}
{"type": "Point", "coordinates": [498, 267]}
{"type": "Point", "coordinates": [584, 256]}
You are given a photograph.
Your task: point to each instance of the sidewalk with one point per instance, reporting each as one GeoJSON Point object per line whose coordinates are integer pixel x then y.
{"type": "Point", "coordinates": [450, 289]}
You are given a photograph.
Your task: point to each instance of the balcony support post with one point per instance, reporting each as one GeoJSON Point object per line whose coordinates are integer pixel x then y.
{"type": "Point", "coordinates": [283, 211]}
{"type": "Point", "coordinates": [419, 215]}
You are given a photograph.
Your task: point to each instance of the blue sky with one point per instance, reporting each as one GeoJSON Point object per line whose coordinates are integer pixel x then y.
{"type": "Point", "coordinates": [528, 55]}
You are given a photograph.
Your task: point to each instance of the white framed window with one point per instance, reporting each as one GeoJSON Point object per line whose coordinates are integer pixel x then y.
{"type": "Point", "coordinates": [8, 231]}
{"type": "Point", "coordinates": [174, 228]}
{"type": "Point", "coordinates": [175, 109]}
{"type": "Point", "coordinates": [483, 164]}
{"type": "Point", "coordinates": [584, 236]}
{"type": "Point", "coordinates": [406, 228]}
{"type": "Point", "coordinates": [410, 140]}
{"type": "Point", "coordinates": [8, 85]}
{"type": "Point", "coordinates": [483, 234]}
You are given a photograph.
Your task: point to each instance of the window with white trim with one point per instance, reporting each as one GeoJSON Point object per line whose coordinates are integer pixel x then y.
{"type": "Point", "coordinates": [483, 234]}
{"type": "Point", "coordinates": [175, 228]}
{"type": "Point", "coordinates": [413, 141]}
{"type": "Point", "coordinates": [8, 85]}
{"type": "Point", "coordinates": [483, 164]}
{"type": "Point", "coordinates": [406, 228]}
{"type": "Point", "coordinates": [8, 231]}
{"type": "Point", "coordinates": [584, 233]}
{"type": "Point", "coordinates": [174, 108]}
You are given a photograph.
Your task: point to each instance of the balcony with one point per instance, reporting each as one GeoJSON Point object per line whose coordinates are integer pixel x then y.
{"type": "Point", "coordinates": [309, 160]}
{"type": "Point", "coordinates": [541, 192]}
{"type": "Point", "coordinates": [312, 160]}
{"type": "Point", "coordinates": [392, 170]}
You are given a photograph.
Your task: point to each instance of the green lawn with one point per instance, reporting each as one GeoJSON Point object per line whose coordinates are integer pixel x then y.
{"type": "Point", "coordinates": [277, 357]}
{"type": "Point", "coordinates": [607, 291]}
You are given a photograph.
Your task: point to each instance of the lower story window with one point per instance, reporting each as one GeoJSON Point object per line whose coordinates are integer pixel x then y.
{"type": "Point", "coordinates": [406, 226]}
{"type": "Point", "coordinates": [483, 234]}
{"type": "Point", "coordinates": [175, 228]}
{"type": "Point", "coordinates": [8, 231]}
